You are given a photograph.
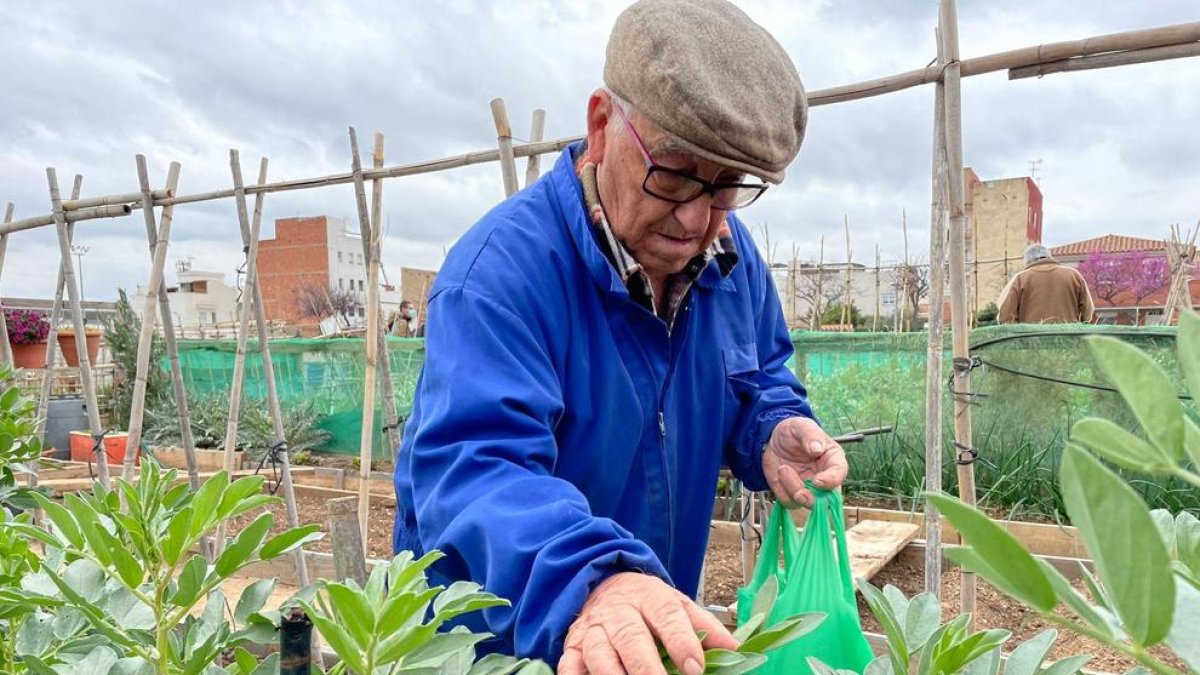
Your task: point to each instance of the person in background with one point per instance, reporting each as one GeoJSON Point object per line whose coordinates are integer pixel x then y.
{"type": "Point", "coordinates": [403, 321]}
{"type": "Point", "coordinates": [602, 342]}
{"type": "Point", "coordinates": [1046, 291]}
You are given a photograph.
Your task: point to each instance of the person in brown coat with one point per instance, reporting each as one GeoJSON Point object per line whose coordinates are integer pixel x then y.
{"type": "Point", "coordinates": [1046, 291]}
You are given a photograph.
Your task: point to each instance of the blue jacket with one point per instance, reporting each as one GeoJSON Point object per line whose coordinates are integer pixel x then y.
{"type": "Point", "coordinates": [560, 434]}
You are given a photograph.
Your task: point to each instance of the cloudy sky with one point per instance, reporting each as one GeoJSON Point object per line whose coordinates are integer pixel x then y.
{"type": "Point", "coordinates": [87, 85]}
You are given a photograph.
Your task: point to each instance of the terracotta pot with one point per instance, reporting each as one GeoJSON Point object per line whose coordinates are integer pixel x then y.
{"type": "Point", "coordinates": [31, 355]}
{"type": "Point", "coordinates": [66, 343]}
{"type": "Point", "coordinates": [114, 447]}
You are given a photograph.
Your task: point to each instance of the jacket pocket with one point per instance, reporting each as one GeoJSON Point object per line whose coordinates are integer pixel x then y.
{"type": "Point", "coordinates": [741, 361]}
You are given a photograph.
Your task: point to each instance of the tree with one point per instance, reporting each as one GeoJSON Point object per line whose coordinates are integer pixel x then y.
{"type": "Point", "coordinates": [316, 301]}
{"type": "Point", "coordinates": [121, 334]}
{"type": "Point", "coordinates": [1109, 275]}
{"type": "Point", "coordinates": [832, 315]}
{"type": "Point", "coordinates": [818, 288]}
{"type": "Point", "coordinates": [911, 282]}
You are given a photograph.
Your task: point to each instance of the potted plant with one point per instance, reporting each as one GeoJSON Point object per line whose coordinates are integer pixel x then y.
{"type": "Point", "coordinates": [27, 332]}
{"type": "Point", "coordinates": [66, 342]}
{"type": "Point", "coordinates": [83, 446]}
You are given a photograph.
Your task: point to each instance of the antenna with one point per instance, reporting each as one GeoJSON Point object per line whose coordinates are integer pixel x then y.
{"type": "Point", "coordinates": [1035, 167]}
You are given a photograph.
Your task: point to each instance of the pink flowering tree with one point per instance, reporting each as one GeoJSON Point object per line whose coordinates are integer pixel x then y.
{"type": "Point", "coordinates": [1147, 275]}
{"type": "Point", "coordinates": [1104, 276]}
{"type": "Point", "coordinates": [1135, 275]}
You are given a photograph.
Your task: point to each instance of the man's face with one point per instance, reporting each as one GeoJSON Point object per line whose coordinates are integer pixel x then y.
{"type": "Point", "coordinates": [661, 235]}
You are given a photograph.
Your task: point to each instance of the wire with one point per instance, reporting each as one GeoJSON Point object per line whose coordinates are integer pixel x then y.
{"type": "Point", "coordinates": [1056, 380]}
{"type": "Point", "coordinates": [1020, 336]}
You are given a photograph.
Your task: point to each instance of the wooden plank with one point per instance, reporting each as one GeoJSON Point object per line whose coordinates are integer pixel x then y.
{"type": "Point", "coordinates": [873, 543]}
{"type": "Point", "coordinates": [340, 479]}
{"type": "Point", "coordinates": [60, 485]}
{"type": "Point", "coordinates": [334, 493]}
{"type": "Point", "coordinates": [1039, 538]}
{"type": "Point", "coordinates": [206, 460]}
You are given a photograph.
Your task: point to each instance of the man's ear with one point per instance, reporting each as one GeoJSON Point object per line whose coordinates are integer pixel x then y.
{"type": "Point", "coordinates": [599, 111]}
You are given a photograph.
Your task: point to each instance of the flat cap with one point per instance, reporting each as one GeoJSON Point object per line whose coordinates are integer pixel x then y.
{"type": "Point", "coordinates": [704, 72]}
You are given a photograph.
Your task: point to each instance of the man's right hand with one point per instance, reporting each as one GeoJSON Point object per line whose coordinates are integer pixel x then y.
{"type": "Point", "coordinates": [616, 630]}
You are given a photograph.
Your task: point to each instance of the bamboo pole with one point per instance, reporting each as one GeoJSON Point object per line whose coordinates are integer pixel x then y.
{"type": "Point", "coordinates": [815, 323]}
{"type": "Point", "coordinates": [792, 276]}
{"type": "Point", "coordinates": [391, 419]}
{"type": "Point", "coordinates": [1094, 61]}
{"type": "Point", "coordinates": [508, 163]}
{"type": "Point", "coordinates": [114, 211]}
{"type": "Point", "coordinates": [958, 291]}
{"type": "Point", "coordinates": [5, 347]}
{"type": "Point", "coordinates": [77, 204]}
{"type": "Point", "coordinates": [253, 295]}
{"type": "Point", "coordinates": [533, 165]}
{"type": "Point", "coordinates": [52, 336]}
{"type": "Point", "coordinates": [935, 347]}
{"type": "Point", "coordinates": [85, 367]}
{"type": "Point", "coordinates": [239, 361]}
{"type": "Point", "coordinates": [907, 319]}
{"type": "Point", "coordinates": [154, 286]}
{"type": "Point", "coordinates": [878, 307]}
{"type": "Point", "coordinates": [168, 327]}
{"type": "Point", "coordinates": [368, 420]}
{"type": "Point", "coordinates": [846, 316]}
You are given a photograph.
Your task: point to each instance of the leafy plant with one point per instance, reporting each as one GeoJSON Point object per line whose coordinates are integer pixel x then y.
{"type": "Point", "coordinates": [1144, 592]}
{"type": "Point", "coordinates": [209, 416]}
{"type": "Point", "coordinates": [26, 326]}
{"type": "Point", "coordinates": [20, 443]}
{"type": "Point", "coordinates": [392, 624]}
{"type": "Point", "coordinates": [117, 587]}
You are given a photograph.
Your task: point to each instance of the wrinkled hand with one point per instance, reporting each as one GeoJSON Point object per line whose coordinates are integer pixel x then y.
{"type": "Point", "coordinates": [614, 633]}
{"type": "Point", "coordinates": [800, 450]}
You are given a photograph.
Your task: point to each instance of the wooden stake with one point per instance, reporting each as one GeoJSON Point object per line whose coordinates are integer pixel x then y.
{"type": "Point", "coordinates": [1107, 60]}
{"type": "Point", "coordinates": [349, 559]}
{"type": "Point", "coordinates": [818, 300]}
{"type": "Point", "coordinates": [878, 307]}
{"type": "Point", "coordinates": [85, 367]}
{"type": "Point", "coordinates": [907, 318]}
{"type": "Point", "coordinates": [846, 316]}
{"type": "Point", "coordinates": [532, 167]}
{"type": "Point", "coordinates": [252, 294]}
{"type": "Point", "coordinates": [5, 346]}
{"type": "Point", "coordinates": [168, 326]}
{"type": "Point", "coordinates": [239, 361]}
{"type": "Point", "coordinates": [149, 313]}
{"type": "Point", "coordinates": [508, 163]}
{"type": "Point", "coordinates": [372, 346]}
{"type": "Point", "coordinates": [935, 347]}
{"type": "Point", "coordinates": [391, 419]}
{"type": "Point", "coordinates": [52, 336]}
{"type": "Point", "coordinates": [958, 274]}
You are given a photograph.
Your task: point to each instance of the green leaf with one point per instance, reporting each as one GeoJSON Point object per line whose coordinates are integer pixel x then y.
{"type": "Point", "coordinates": [898, 649]}
{"type": "Point", "coordinates": [1013, 566]}
{"type": "Point", "coordinates": [988, 664]}
{"type": "Point", "coordinates": [99, 660]}
{"type": "Point", "coordinates": [443, 646]}
{"type": "Point", "coordinates": [1188, 341]}
{"type": "Point", "coordinates": [463, 597]}
{"type": "Point", "coordinates": [498, 664]}
{"type": "Point", "coordinates": [337, 638]}
{"type": "Point", "coordinates": [1130, 558]}
{"type": "Point", "coordinates": [190, 582]}
{"type": "Point", "coordinates": [1165, 522]}
{"type": "Point", "coordinates": [924, 614]}
{"type": "Point", "coordinates": [133, 665]}
{"type": "Point", "coordinates": [819, 668]}
{"type": "Point", "coordinates": [765, 598]}
{"type": "Point", "coordinates": [36, 665]}
{"type": "Point", "coordinates": [236, 494]}
{"type": "Point", "coordinates": [62, 520]}
{"type": "Point", "coordinates": [243, 546]}
{"type": "Point", "coordinates": [747, 629]}
{"type": "Point", "coordinates": [1120, 447]}
{"type": "Point", "coordinates": [1098, 618]}
{"type": "Point", "coordinates": [253, 598]}
{"type": "Point", "coordinates": [269, 666]}
{"type": "Point", "coordinates": [36, 634]}
{"type": "Point", "coordinates": [179, 535]}
{"type": "Point", "coordinates": [882, 665]}
{"type": "Point", "coordinates": [970, 648]}
{"type": "Point", "coordinates": [1182, 637]}
{"type": "Point", "coordinates": [782, 633]}
{"type": "Point", "coordinates": [1068, 666]}
{"type": "Point", "coordinates": [204, 503]}
{"type": "Point", "coordinates": [1147, 390]}
{"type": "Point", "coordinates": [289, 541]}
{"type": "Point", "coordinates": [352, 611]}
{"type": "Point", "coordinates": [403, 571]}
{"type": "Point", "coordinates": [1187, 542]}
{"type": "Point", "coordinates": [731, 663]}
{"type": "Point", "coordinates": [400, 610]}
{"type": "Point", "coordinates": [245, 661]}
{"type": "Point", "coordinates": [128, 569]}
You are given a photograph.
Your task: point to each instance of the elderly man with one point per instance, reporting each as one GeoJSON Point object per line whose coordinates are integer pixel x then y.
{"type": "Point", "coordinates": [1046, 291]}
{"type": "Point", "coordinates": [603, 342]}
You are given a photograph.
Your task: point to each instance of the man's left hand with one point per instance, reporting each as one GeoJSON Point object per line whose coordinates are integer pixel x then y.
{"type": "Point", "coordinates": [800, 450]}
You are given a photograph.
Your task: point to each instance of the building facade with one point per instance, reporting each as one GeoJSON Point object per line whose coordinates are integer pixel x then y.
{"type": "Point", "coordinates": [201, 302]}
{"type": "Point", "coordinates": [314, 258]}
{"type": "Point", "coordinates": [1004, 217]}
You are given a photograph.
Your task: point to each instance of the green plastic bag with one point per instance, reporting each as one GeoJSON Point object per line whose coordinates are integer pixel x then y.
{"type": "Point", "coordinates": [813, 579]}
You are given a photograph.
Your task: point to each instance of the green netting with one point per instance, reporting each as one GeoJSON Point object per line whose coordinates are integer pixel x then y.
{"type": "Point", "coordinates": [326, 372]}
{"type": "Point", "coordinates": [855, 381]}
{"type": "Point", "coordinates": [1020, 422]}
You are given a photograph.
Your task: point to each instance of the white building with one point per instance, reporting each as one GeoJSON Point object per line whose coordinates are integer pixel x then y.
{"type": "Point", "coordinates": [200, 301]}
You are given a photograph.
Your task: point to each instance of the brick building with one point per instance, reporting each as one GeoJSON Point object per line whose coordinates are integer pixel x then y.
{"type": "Point", "coordinates": [318, 252]}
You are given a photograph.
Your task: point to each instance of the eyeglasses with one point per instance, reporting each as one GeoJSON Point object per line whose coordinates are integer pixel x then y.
{"type": "Point", "coordinates": [678, 187]}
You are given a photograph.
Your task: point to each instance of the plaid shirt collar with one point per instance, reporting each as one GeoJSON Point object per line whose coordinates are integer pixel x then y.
{"type": "Point", "coordinates": [723, 250]}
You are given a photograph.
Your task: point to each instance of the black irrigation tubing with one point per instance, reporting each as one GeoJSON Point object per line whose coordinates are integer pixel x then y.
{"type": "Point", "coordinates": [1070, 383]}
{"type": "Point", "coordinates": [1018, 336]}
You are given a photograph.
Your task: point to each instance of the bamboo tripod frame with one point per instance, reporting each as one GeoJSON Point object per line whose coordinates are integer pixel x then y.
{"type": "Point", "coordinates": [1178, 41]}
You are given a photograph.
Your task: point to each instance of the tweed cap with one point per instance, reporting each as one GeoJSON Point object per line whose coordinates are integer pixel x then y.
{"type": "Point", "coordinates": [705, 73]}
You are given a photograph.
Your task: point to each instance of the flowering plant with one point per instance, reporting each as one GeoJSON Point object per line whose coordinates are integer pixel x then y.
{"type": "Point", "coordinates": [26, 326]}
